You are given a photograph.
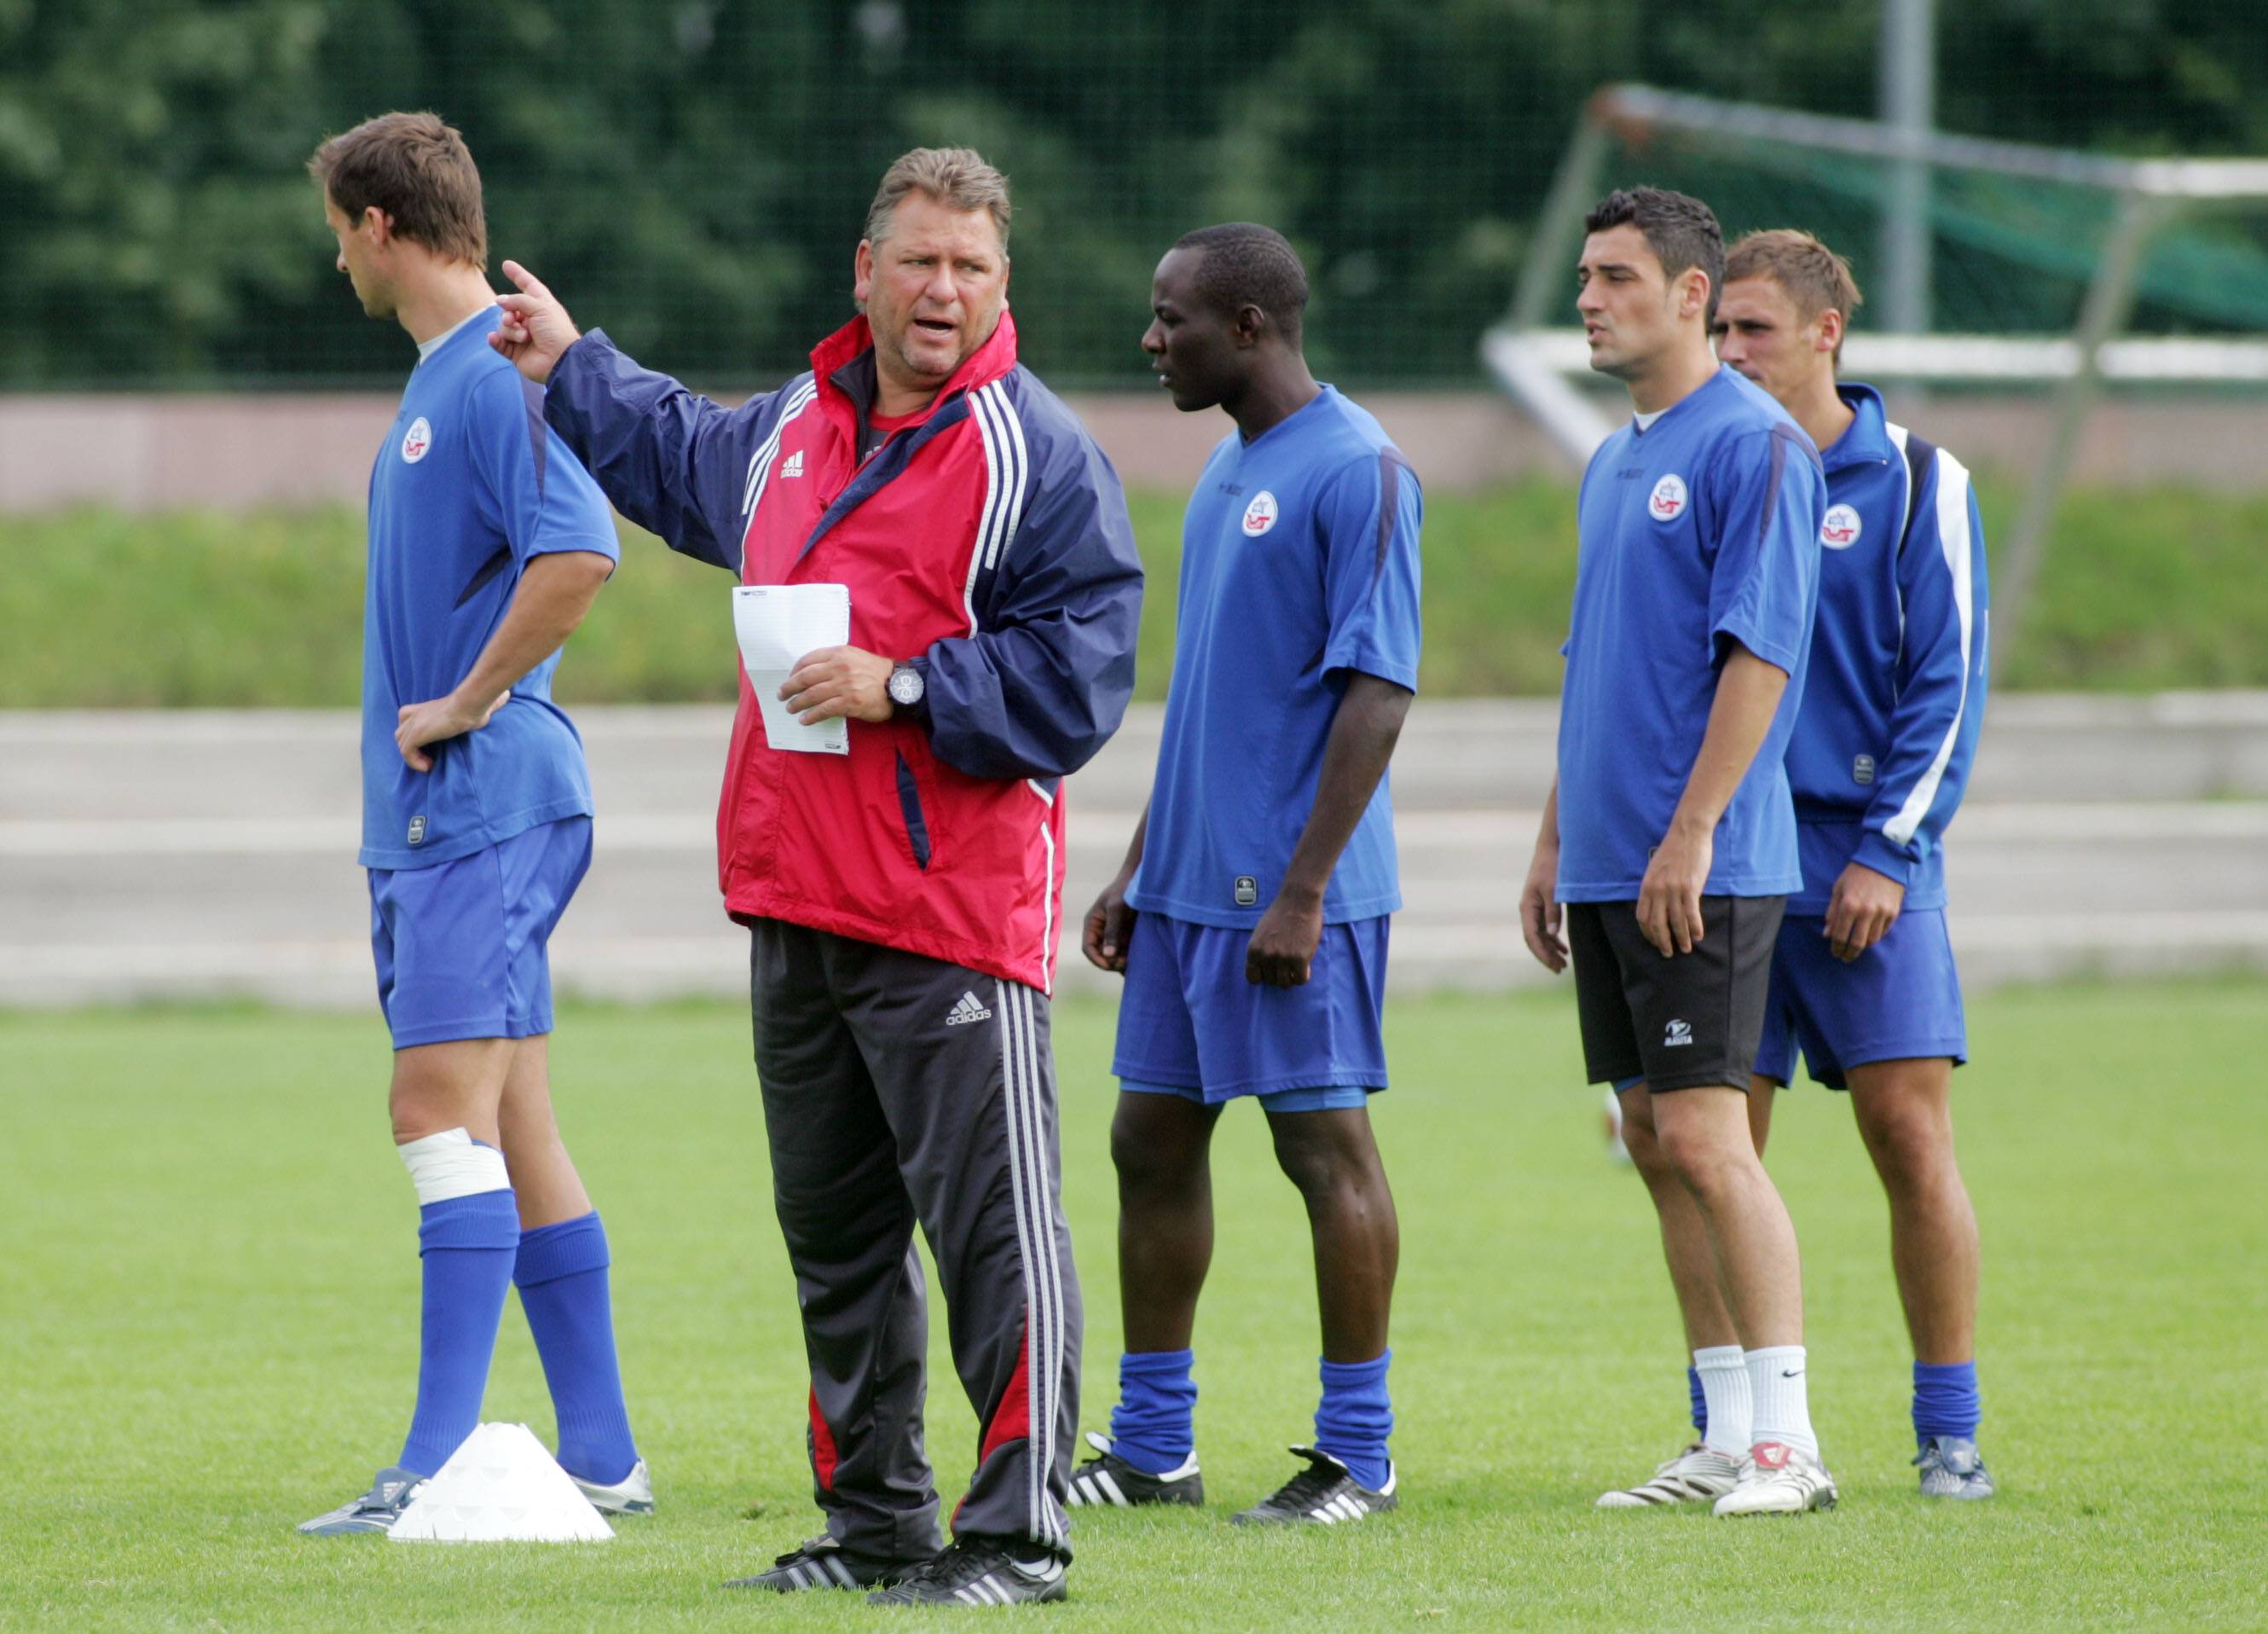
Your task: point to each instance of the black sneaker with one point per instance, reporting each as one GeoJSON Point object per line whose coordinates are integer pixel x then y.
{"type": "Point", "coordinates": [1324, 1494]}
{"type": "Point", "coordinates": [375, 1511]}
{"type": "Point", "coordinates": [980, 1572]}
{"type": "Point", "coordinates": [1110, 1482]}
{"type": "Point", "coordinates": [822, 1563]}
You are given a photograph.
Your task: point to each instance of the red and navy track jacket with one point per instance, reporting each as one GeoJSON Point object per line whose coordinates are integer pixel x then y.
{"type": "Point", "coordinates": [986, 540]}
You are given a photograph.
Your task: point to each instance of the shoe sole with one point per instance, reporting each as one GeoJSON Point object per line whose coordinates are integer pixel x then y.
{"type": "Point", "coordinates": [1825, 1503]}
{"type": "Point", "coordinates": [1148, 1501]}
{"type": "Point", "coordinates": [1053, 1595]}
{"type": "Point", "coordinates": [346, 1531]}
{"type": "Point", "coordinates": [765, 1582]}
{"type": "Point", "coordinates": [1250, 1517]}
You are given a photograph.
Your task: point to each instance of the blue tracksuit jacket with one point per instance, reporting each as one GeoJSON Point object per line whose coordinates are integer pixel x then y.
{"type": "Point", "coordinates": [1896, 697]}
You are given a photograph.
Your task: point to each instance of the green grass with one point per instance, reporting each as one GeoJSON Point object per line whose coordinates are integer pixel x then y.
{"type": "Point", "coordinates": [2142, 589]}
{"type": "Point", "coordinates": [209, 1293]}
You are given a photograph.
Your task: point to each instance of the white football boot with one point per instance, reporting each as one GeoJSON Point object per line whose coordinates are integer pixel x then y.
{"type": "Point", "coordinates": [632, 1495]}
{"type": "Point", "coordinates": [1776, 1479]}
{"type": "Point", "coordinates": [1699, 1474]}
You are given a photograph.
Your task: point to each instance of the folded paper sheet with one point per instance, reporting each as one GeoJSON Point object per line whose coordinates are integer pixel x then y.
{"type": "Point", "coordinates": [776, 625]}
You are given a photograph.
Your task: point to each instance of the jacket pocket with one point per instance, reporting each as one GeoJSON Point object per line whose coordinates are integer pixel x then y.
{"type": "Point", "coordinates": [909, 805]}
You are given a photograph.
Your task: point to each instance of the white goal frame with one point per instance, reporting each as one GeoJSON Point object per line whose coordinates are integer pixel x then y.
{"type": "Point", "coordinates": [1535, 363]}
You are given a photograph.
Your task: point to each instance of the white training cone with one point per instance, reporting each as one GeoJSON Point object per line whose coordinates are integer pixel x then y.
{"type": "Point", "coordinates": [501, 1487]}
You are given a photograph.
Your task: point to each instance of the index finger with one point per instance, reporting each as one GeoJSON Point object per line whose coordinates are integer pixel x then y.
{"type": "Point", "coordinates": [526, 279]}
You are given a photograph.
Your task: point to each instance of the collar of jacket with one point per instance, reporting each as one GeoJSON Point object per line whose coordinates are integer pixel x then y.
{"type": "Point", "coordinates": [988, 363]}
{"type": "Point", "coordinates": [1867, 438]}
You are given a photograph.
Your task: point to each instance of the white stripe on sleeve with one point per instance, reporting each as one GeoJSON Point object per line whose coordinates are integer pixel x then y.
{"type": "Point", "coordinates": [1955, 545]}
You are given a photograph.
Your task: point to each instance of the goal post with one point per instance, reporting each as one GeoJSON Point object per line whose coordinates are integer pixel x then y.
{"type": "Point", "coordinates": [2054, 251]}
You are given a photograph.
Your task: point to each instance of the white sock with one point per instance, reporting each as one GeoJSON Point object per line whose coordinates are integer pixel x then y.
{"type": "Point", "coordinates": [1725, 1392]}
{"type": "Point", "coordinates": [1777, 1379]}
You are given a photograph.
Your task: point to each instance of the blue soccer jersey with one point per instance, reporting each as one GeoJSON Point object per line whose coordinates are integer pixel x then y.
{"type": "Point", "coordinates": [469, 484]}
{"type": "Point", "coordinates": [1895, 697]}
{"type": "Point", "coordinates": [1696, 532]}
{"type": "Point", "coordinates": [1298, 567]}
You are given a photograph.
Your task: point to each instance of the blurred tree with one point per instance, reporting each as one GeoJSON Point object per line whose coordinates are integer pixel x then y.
{"type": "Point", "coordinates": [693, 173]}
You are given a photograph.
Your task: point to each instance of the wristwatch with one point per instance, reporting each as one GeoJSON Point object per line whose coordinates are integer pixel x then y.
{"type": "Point", "coordinates": [907, 687]}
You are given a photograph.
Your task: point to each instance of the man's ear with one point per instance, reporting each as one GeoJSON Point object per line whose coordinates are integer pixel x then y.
{"type": "Point", "coordinates": [379, 224]}
{"type": "Point", "coordinates": [1830, 331]}
{"type": "Point", "coordinates": [862, 272]}
{"type": "Point", "coordinates": [1693, 297]}
{"type": "Point", "coordinates": [1251, 325]}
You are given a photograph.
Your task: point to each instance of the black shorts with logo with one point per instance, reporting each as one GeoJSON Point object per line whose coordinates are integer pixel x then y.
{"type": "Point", "coordinates": [1682, 1020]}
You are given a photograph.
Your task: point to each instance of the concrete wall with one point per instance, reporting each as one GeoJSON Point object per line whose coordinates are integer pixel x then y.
{"type": "Point", "coordinates": [2101, 837]}
{"type": "Point", "coordinates": [231, 451]}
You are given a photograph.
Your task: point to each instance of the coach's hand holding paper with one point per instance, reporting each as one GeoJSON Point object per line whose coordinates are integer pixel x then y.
{"type": "Point", "coordinates": [777, 624]}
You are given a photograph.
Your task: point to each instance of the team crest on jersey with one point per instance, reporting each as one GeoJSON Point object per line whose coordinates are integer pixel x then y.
{"type": "Point", "coordinates": [1666, 503]}
{"type": "Point", "coordinates": [1839, 528]}
{"type": "Point", "coordinates": [416, 442]}
{"type": "Point", "coordinates": [1260, 515]}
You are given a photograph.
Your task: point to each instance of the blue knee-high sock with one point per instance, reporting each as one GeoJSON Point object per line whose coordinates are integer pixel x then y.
{"type": "Point", "coordinates": [1700, 1403]}
{"type": "Point", "coordinates": [1153, 1426]}
{"type": "Point", "coordinates": [1355, 1418]}
{"type": "Point", "coordinates": [467, 1243]}
{"type": "Point", "coordinates": [1945, 1400]}
{"type": "Point", "coordinates": [562, 1277]}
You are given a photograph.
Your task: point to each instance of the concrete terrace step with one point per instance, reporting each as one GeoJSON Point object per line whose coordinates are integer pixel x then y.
{"type": "Point", "coordinates": [203, 853]}
{"type": "Point", "coordinates": [1456, 752]}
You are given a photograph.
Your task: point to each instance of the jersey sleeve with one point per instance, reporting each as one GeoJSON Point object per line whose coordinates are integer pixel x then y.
{"type": "Point", "coordinates": [1371, 573]}
{"type": "Point", "coordinates": [672, 461]}
{"type": "Point", "coordinates": [1941, 676]}
{"type": "Point", "coordinates": [543, 501]}
{"type": "Point", "coordinates": [1767, 492]}
{"type": "Point", "coordinates": [1044, 681]}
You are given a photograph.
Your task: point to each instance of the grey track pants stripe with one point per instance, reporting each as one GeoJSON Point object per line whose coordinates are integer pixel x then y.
{"type": "Point", "coordinates": [1034, 1182]}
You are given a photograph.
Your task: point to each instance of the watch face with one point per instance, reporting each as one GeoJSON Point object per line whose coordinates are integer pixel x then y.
{"type": "Point", "coordinates": [905, 686]}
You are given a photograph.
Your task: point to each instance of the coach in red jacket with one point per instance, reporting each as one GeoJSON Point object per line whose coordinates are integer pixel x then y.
{"type": "Point", "coordinates": [904, 900]}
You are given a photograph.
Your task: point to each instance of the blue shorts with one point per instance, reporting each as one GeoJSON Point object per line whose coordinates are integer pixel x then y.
{"type": "Point", "coordinates": [1189, 1023]}
{"type": "Point", "coordinates": [1335, 1097]}
{"type": "Point", "coordinates": [1899, 1000]}
{"type": "Point", "coordinates": [463, 947]}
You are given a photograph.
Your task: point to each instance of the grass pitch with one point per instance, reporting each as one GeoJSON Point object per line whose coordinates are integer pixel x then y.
{"type": "Point", "coordinates": [208, 1300]}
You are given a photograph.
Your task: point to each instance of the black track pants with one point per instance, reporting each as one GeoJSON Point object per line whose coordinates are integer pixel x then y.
{"type": "Point", "coordinates": [901, 1090]}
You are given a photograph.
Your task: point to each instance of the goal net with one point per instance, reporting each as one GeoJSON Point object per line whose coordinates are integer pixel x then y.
{"type": "Point", "coordinates": [2010, 266]}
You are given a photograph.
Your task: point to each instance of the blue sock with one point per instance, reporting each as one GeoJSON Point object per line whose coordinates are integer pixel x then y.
{"type": "Point", "coordinates": [1945, 1400]}
{"type": "Point", "coordinates": [562, 1277]}
{"type": "Point", "coordinates": [1153, 1426]}
{"type": "Point", "coordinates": [467, 1243]}
{"type": "Point", "coordinates": [1355, 1418]}
{"type": "Point", "coordinates": [1700, 1403]}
